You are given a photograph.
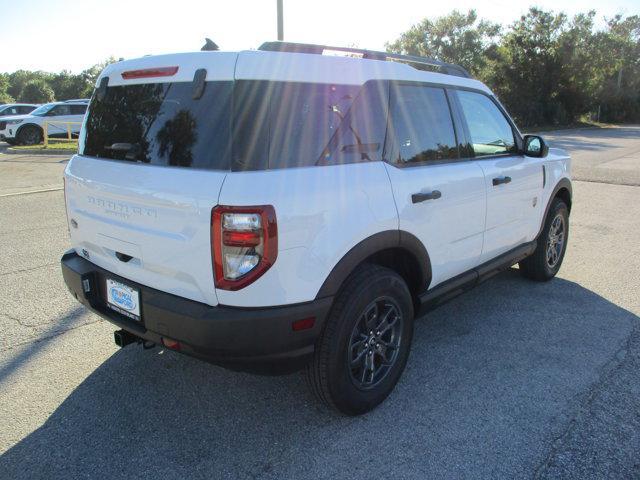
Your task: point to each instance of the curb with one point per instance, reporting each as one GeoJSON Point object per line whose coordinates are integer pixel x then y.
{"type": "Point", "coordinates": [39, 151]}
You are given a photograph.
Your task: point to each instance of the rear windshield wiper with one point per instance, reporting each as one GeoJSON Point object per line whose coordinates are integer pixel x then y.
{"type": "Point", "coordinates": [131, 149]}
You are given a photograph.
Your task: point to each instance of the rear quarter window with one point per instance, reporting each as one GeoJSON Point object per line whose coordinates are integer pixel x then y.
{"type": "Point", "coordinates": [287, 124]}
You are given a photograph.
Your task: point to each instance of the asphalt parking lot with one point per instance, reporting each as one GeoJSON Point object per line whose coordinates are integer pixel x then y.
{"type": "Point", "coordinates": [511, 380]}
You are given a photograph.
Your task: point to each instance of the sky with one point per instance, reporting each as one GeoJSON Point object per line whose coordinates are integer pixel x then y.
{"type": "Point", "coordinates": [55, 35]}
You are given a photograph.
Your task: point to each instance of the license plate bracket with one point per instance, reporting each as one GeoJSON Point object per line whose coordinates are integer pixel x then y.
{"type": "Point", "coordinates": [123, 299]}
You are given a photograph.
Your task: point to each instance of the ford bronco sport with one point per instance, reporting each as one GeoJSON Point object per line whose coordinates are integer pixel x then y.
{"type": "Point", "coordinates": [301, 205]}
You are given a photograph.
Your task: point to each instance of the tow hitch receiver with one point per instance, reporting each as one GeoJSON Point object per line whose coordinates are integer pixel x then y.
{"type": "Point", "coordinates": [124, 338]}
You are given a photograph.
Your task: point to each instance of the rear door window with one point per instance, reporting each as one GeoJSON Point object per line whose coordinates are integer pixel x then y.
{"type": "Point", "coordinates": [422, 124]}
{"type": "Point", "coordinates": [162, 124]}
{"type": "Point", "coordinates": [78, 109]}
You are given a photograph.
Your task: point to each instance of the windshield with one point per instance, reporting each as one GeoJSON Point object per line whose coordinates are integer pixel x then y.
{"type": "Point", "coordinates": [42, 110]}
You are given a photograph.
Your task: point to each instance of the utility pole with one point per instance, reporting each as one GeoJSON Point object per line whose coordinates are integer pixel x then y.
{"type": "Point", "coordinates": [280, 21]}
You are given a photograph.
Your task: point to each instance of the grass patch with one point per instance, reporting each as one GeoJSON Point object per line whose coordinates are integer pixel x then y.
{"type": "Point", "coordinates": [65, 146]}
{"type": "Point", "coordinates": [571, 126]}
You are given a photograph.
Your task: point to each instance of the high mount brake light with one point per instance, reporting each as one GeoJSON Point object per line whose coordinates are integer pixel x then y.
{"type": "Point", "coordinates": [150, 73]}
{"type": "Point", "coordinates": [244, 244]}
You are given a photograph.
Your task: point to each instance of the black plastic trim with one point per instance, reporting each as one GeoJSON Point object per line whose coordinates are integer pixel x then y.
{"type": "Point", "coordinates": [466, 281]}
{"type": "Point", "coordinates": [563, 183]}
{"type": "Point", "coordinates": [223, 335]}
{"type": "Point", "coordinates": [366, 248]}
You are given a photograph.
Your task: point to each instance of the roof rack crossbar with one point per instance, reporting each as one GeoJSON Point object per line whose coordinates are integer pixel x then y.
{"type": "Point", "coordinates": [413, 60]}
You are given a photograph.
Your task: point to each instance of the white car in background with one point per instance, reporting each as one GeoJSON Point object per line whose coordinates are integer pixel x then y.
{"type": "Point", "coordinates": [10, 109]}
{"type": "Point", "coordinates": [29, 129]}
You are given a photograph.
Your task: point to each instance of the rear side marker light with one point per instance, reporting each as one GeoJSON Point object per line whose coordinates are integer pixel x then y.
{"type": "Point", "coordinates": [304, 324]}
{"type": "Point", "coordinates": [171, 343]}
{"type": "Point", "coordinates": [244, 244]}
{"type": "Point", "coordinates": [150, 73]}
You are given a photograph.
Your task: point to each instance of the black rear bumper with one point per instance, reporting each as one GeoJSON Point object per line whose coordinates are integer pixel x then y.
{"type": "Point", "coordinates": [234, 337]}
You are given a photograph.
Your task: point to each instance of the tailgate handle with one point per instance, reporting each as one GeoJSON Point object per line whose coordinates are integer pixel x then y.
{"type": "Point", "coordinates": [123, 257]}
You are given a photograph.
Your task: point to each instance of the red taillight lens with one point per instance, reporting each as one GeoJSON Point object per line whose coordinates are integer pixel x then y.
{"type": "Point", "coordinates": [150, 73]}
{"type": "Point", "coordinates": [244, 244]}
{"type": "Point", "coordinates": [241, 239]}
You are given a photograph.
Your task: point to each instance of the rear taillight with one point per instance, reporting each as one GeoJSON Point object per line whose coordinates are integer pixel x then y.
{"type": "Point", "coordinates": [244, 244]}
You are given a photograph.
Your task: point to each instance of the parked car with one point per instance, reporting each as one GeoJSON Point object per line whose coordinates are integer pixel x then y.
{"type": "Point", "coordinates": [9, 109]}
{"type": "Point", "coordinates": [285, 208]}
{"type": "Point", "coordinates": [29, 129]}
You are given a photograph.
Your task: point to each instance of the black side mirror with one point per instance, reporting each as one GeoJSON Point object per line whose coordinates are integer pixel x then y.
{"type": "Point", "coordinates": [535, 146]}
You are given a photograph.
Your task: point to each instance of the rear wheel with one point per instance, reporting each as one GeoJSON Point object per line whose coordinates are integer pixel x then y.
{"type": "Point", "coordinates": [545, 262]}
{"type": "Point", "coordinates": [365, 343]}
{"type": "Point", "coordinates": [30, 135]}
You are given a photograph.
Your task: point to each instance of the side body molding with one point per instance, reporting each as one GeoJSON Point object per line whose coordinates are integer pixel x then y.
{"type": "Point", "coordinates": [379, 242]}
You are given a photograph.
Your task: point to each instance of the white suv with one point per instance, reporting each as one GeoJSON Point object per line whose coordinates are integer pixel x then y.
{"type": "Point", "coordinates": [280, 207]}
{"type": "Point", "coordinates": [60, 117]}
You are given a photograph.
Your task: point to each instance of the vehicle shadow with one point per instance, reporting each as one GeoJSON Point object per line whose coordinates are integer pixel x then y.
{"type": "Point", "coordinates": [494, 376]}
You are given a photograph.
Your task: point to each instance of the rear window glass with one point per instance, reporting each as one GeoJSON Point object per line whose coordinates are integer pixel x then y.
{"type": "Point", "coordinates": [161, 124]}
{"type": "Point", "coordinates": [249, 125]}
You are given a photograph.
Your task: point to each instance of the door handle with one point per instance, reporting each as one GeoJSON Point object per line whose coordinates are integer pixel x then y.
{"type": "Point", "coordinates": [501, 180]}
{"type": "Point", "coordinates": [421, 197]}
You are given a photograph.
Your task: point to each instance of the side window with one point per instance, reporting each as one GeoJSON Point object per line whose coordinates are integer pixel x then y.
{"type": "Point", "coordinates": [78, 109]}
{"type": "Point", "coordinates": [286, 124]}
{"type": "Point", "coordinates": [422, 125]}
{"type": "Point", "coordinates": [361, 134]}
{"type": "Point", "coordinates": [59, 110]}
{"type": "Point", "coordinates": [25, 110]}
{"type": "Point", "coordinates": [491, 133]}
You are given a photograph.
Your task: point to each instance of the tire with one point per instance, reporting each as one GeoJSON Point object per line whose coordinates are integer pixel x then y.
{"type": "Point", "coordinates": [358, 389]}
{"type": "Point", "coordinates": [547, 258]}
{"type": "Point", "coordinates": [30, 135]}
{"type": "Point", "coordinates": [10, 141]}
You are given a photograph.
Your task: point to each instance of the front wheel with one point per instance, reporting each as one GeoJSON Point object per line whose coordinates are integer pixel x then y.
{"type": "Point", "coordinates": [30, 135]}
{"type": "Point", "coordinates": [547, 258]}
{"type": "Point", "coordinates": [365, 343]}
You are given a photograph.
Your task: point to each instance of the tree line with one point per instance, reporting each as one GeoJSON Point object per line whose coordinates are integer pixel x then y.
{"type": "Point", "coordinates": [547, 68]}
{"type": "Point", "coordinates": [43, 87]}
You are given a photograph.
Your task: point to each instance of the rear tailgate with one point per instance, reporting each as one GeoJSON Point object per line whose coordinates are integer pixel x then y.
{"type": "Point", "coordinates": [159, 216]}
{"type": "Point", "coordinates": [152, 163]}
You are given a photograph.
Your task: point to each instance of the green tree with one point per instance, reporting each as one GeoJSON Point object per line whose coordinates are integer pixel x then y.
{"type": "Point", "coordinates": [37, 91]}
{"type": "Point", "coordinates": [527, 69]}
{"type": "Point", "coordinates": [19, 78]}
{"type": "Point", "coordinates": [90, 75]}
{"type": "Point", "coordinates": [67, 85]}
{"type": "Point", "coordinates": [619, 95]}
{"type": "Point", "coordinates": [458, 38]}
{"type": "Point", "coordinates": [4, 85]}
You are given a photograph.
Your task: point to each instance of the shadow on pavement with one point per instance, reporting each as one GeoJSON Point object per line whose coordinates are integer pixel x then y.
{"type": "Point", "coordinates": [60, 325]}
{"type": "Point", "coordinates": [494, 376]}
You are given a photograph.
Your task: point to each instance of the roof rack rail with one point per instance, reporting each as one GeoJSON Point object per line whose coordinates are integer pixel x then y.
{"type": "Point", "coordinates": [413, 60]}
